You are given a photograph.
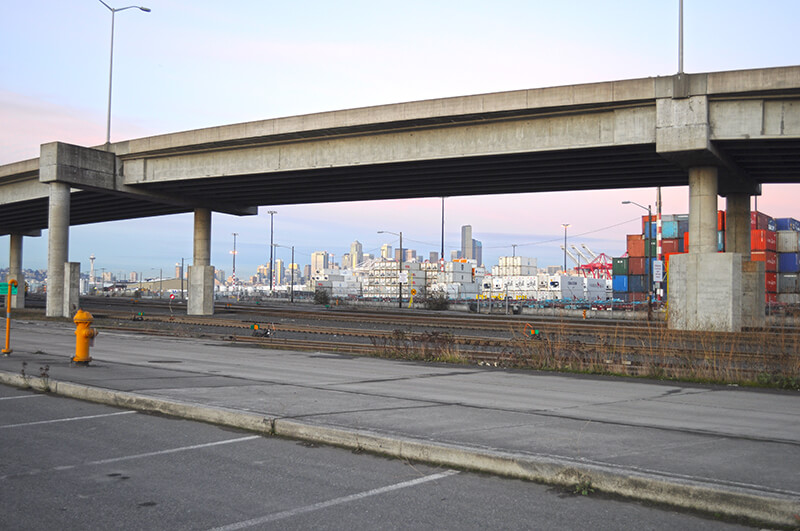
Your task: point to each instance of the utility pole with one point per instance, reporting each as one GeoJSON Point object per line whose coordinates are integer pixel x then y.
{"type": "Point", "coordinates": [235, 234]}
{"type": "Point", "coordinates": [565, 225]}
{"type": "Point", "coordinates": [271, 246]}
{"type": "Point", "coordinates": [442, 255]}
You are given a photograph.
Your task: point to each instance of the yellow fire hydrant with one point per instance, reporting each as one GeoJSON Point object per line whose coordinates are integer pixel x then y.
{"type": "Point", "coordinates": [84, 336]}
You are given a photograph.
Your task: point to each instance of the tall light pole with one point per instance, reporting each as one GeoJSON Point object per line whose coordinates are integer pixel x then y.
{"type": "Point", "coordinates": [565, 225]}
{"type": "Point", "coordinates": [442, 256]}
{"type": "Point", "coordinates": [271, 264]}
{"type": "Point", "coordinates": [233, 275]}
{"type": "Point", "coordinates": [680, 36]}
{"type": "Point", "coordinates": [399, 267]}
{"type": "Point", "coordinates": [648, 264]}
{"type": "Point", "coordinates": [111, 64]}
{"type": "Point", "coordinates": [182, 262]}
{"type": "Point", "coordinates": [292, 266]}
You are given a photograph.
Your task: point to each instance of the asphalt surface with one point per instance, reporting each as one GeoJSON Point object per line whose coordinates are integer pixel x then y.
{"type": "Point", "coordinates": [717, 449]}
{"type": "Point", "coordinates": [76, 465]}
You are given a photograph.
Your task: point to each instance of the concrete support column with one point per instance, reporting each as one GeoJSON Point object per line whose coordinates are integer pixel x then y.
{"type": "Point", "coordinates": [737, 240]}
{"type": "Point", "coordinates": [57, 248]}
{"type": "Point", "coordinates": [703, 209]}
{"type": "Point", "coordinates": [15, 271]}
{"type": "Point", "coordinates": [737, 225]}
{"type": "Point", "coordinates": [202, 237]}
{"type": "Point", "coordinates": [201, 273]}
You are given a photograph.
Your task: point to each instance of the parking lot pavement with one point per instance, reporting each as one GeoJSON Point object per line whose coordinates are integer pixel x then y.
{"type": "Point", "coordinates": [70, 464]}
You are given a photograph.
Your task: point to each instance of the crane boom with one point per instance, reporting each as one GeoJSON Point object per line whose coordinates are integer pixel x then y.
{"type": "Point", "coordinates": [594, 255]}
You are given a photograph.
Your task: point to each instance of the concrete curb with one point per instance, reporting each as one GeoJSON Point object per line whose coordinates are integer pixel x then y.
{"type": "Point", "coordinates": [730, 500]}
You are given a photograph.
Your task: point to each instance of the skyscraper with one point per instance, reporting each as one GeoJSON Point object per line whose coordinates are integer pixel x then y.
{"type": "Point", "coordinates": [466, 241]}
{"type": "Point", "coordinates": [319, 261]}
{"type": "Point", "coordinates": [386, 251]}
{"type": "Point", "coordinates": [356, 254]}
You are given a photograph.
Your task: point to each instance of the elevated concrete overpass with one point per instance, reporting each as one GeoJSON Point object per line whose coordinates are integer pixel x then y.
{"type": "Point", "coordinates": [721, 133]}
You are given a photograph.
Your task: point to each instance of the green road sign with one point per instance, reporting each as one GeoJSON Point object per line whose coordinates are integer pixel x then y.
{"type": "Point", "coordinates": [4, 289]}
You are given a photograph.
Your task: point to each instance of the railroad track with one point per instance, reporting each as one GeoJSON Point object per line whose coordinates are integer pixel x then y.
{"type": "Point", "coordinates": [508, 350]}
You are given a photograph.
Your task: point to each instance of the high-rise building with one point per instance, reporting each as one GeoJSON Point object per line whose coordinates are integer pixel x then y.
{"type": "Point", "coordinates": [386, 251]}
{"type": "Point", "coordinates": [477, 252]}
{"type": "Point", "coordinates": [278, 272]}
{"type": "Point", "coordinates": [433, 257]}
{"type": "Point", "coordinates": [411, 255]}
{"type": "Point", "coordinates": [466, 242]}
{"type": "Point", "coordinates": [319, 261]}
{"type": "Point", "coordinates": [356, 254]}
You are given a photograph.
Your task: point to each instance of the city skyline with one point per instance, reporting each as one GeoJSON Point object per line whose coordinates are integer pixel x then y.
{"type": "Point", "coordinates": [188, 65]}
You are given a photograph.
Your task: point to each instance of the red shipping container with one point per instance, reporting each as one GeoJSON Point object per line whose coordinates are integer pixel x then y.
{"type": "Point", "coordinates": [637, 265]}
{"type": "Point", "coordinates": [686, 242]}
{"type": "Point", "coordinates": [670, 245]}
{"type": "Point", "coordinates": [759, 221]}
{"type": "Point", "coordinates": [770, 259]}
{"type": "Point", "coordinates": [637, 297]}
{"type": "Point", "coordinates": [772, 282]}
{"type": "Point", "coordinates": [763, 240]}
{"type": "Point", "coordinates": [635, 245]}
{"type": "Point", "coordinates": [720, 220]}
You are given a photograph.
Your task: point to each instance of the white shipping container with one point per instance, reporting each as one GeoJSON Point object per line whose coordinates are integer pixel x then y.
{"type": "Point", "coordinates": [788, 283]}
{"type": "Point", "coordinates": [789, 298]}
{"type": "Point", "coordinates": [788, 241]}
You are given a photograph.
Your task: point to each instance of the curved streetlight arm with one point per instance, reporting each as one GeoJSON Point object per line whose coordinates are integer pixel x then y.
{"type": "Point", "coordinates": [111, 64]}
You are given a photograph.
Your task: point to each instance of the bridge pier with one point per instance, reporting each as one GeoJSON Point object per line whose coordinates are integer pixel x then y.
{"type": "Point", "coordinates": [201, 272]}
{"type": "Point", "coordinates": [737, 240]}
{"type": "Point", "coordinates": [705, 288]}
{"type": "Point", "coordinates": [57, 248]}
{"type": "Point", "coordinates": [15, 270]}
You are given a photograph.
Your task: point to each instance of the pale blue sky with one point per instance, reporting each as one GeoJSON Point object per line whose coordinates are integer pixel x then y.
{"type": "Point", "coordinates": [193, 64]}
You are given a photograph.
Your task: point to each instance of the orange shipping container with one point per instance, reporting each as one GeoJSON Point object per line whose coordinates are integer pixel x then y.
{"type": "Point", "coordinates": [763, 240]}
{"type": "Point", "coordinates": [635, 245]}
{"type": "Point", "coordinates": [769, 258]}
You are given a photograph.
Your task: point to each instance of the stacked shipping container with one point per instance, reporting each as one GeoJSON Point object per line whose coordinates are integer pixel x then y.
{"type": "Point", "coordinates": [787, 246]}
{"type": "Point", "coordinates": [776, 242]}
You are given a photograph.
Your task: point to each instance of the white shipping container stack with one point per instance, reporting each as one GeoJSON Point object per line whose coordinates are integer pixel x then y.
{"type": "Point", "coordinates": [788, 281]}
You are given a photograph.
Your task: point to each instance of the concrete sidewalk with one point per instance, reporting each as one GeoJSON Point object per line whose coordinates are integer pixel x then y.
{"type": "Point", "coordinates": [717, 449]}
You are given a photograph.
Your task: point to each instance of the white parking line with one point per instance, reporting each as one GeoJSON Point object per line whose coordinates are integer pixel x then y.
{"type": "Point", "coordinates": [337, 501]}
{"type": "Point", "coordinates": [23, 396]}
{"type": "Point", "coordinates": [130, 457]}
{"type": "Point", "coordinates": [64, 420]}
{"type": "Point", "coordinates": [163, 452]}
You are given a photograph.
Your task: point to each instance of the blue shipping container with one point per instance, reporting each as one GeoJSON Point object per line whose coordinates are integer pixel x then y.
{"type": "Point", "coordinates": [789, 262]}
{"type": "Point", "coordinates": [669, 229]}
{"type": "Point", "coordinates": [720, 240]}
{"type": "Point", "coordinates": [683, 227]}
{"type": "Point", "coordinates": [787, 224]}
{"type": "Point", "coordinates": [620, 283]}
{"type": "Point", "coordinates": [637, 283]}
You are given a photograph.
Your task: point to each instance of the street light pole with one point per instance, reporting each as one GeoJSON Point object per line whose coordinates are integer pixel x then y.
{"type": "Point", "coordinates": [565, 225]}
{"type": "Point", "coordinates": [111, 65]}
{"type": "Point", "coordinates": [442, 255]}
{"type": "Point", "coordinates": [648, 264]}
{"type": "Point", "coordinates": [271, 265]}
{"type": "Point", "coordinates": [399, 268]}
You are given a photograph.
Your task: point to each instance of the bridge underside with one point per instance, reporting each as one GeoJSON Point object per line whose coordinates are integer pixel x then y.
{"type": "Point", "coordinates": [773, 161]}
